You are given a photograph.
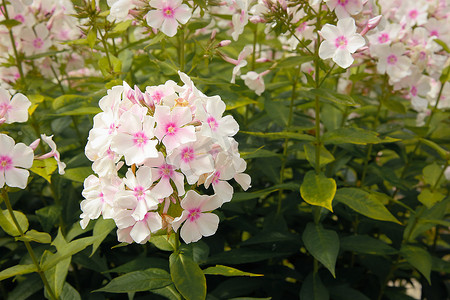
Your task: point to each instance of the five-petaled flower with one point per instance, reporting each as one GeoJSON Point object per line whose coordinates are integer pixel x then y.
{"type": "Point", "coordinates": [167, 15]}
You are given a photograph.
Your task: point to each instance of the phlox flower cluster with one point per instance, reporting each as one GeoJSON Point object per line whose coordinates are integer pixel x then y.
{"type": "Point", "coordinates": [17, 158]}
{"type": "Point", "coordinates": [41, 26]}
{"type": "Point", "coordinates": [153, 153]}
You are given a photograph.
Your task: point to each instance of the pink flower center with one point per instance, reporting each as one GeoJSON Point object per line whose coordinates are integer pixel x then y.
{"type": "Point", "coordinates": [139, 192]}
{"type": "Point", "coordinates": [157, 95]}
{"type": "Point", "coordinates": [343, 2]}
{"type": "Point", "coordinates": [413, 14]}
{"type": "Point", "coordinates": [187, 154]}
{"type": "Point", "coordinates": [171, 128]}
{"type": "Point", "coordinates": [383, 38]}
{"type": "Point", "coordinates": [5, 163]}
{"type": "Point", "coordinates": [392, 59]}
{"type": "Point", "coordinates": [140, 139]}
{"type": "Point", "coordinates": [216, 177]}
{"type": "Point", "coordinates": [100, 196]}
{"type": "Point", "coordinates": [434, 33]}
{"type": "Point", "coordinates": [112, 128]}
{"type": "Point", "coordinates": [413, 91]}
{"type": "Point", "coordinates": [166, 171]}
{"type": "Point", "coordinates": [168, 12]}
{"type": "Point", "coordinates": [194, 214]}
{"type": "Point", "coordinates": [4, 107]}
{"type": "Point", "coordinates": [422, 55]}
{"type": "Point", "coordinates": [302, 27]}
{"type": "Point", "coordinates": [341, 42]}
{"type": "Point", "coordinates": [212, 123]}
{"type": "Point", "coordinates": [38, 43]}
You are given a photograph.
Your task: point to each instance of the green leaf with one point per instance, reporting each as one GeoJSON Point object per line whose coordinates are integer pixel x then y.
{"type": "Point", "coordinates": [187, 277]}
{"type": "Point", "coordinates": [332, 96]}
{"type": "Point", "coordinates": [431, 174]}
{"type": "Point", "coordinates": [429, 198]}
{"type": "Point", "coordinates": [138, 281]}
{"type": "Point", "coordinates": [56, 276]}
{"type": "Point", "coordinates": [441, 151]}
{"type": "Point", "coordinates": [141, 263]}
{"type": "Point", "coordinates": [342, 292]}
{"type": "Point", "coordinates": [78, 174]}
{"type": "Point", "coordinates": [248, 196]}
{"type": "Point", "coordinates": [121, 27]}
{"type": "Point", "coordinates": [366, 245]}
{"type": "Point", "coordinates": [10, 23]}
{"type": "Point", "coordinates": [8, 225]}
{"type": "Point", "coordinates": [65, 100]}
{"type": "Point", "coordinates": [163, 242]}
{"type": "Point", "coordinates": [36, 236]}
{"type": "Point", "coordinates": [17, 270]}
{"type": "Point", "coordinates": [48, 216]}
{"type": "Point", "coordinates": [323, 244]}
{"type": "Point", "coordinates": [69, 293]}
{"type": "Point", "coordinates": [365, 204]}
{"type": "Point", "coordinates": [277, 111]}
{"type": "Point", "coordinates": [81, 111]}
{"type": "Point", "coordinates": [92, 37]}
{"type": "Point", "coordinates": [313, 288]}
{"type": "Point", "coordinates": [442, 44]}
{"type": "Point", "coordinates": [318, 190]}
{"type": "Point", "coordinates": [44, 168]}
{"type": "Point", "coordinates": [245, 255]}
{"type": "Point", "coordinates": [239, 102]}
{"type": "Point", "coordinates": [353, 135]}
{"type": "Point", "coordinates": [281, 135]}
{"type": "Point", "coordinates": [310, 152]}
{"type": "Point", "coordinates": [170, 292]}
{"type": "Point", "coordinates": [419, 259]}
{"type": "Point", "coordinates": [227, 271]}
{"type": "Point", "coordinates": [27, 287]}
{"type": "Point", "coordinates": [290, 61]}
{"type": "Point", "coordinates": [101, 229]}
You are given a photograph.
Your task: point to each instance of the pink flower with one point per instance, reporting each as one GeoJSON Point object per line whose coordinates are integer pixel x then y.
{"type": "Point", "coordinates": [255, 81]}
{"type": "Point", "coordinates": [53, 153]}
{"type": "Point", "coordinates": [14, 158]}
{"type": "Point", "coordinates": [167, 15]}
{"type": "Point", "coordinates": [345, 8]}
{"type": "Point", "coordinates": [36, 40]}
{"type": "Point", "coordinates": [198, 222]}
{"type": "Point", "coordinates": [340, 42]}
{"type": "Point", "coordinates": [15, 109]}
{"type": "Point", "coordinates": [393, 62]}
{"type": "Point", "coordinates": [170, 126]}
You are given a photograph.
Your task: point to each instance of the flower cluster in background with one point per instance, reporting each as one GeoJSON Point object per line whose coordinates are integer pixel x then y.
{"type": "Point", "coordinates": [174, 143]}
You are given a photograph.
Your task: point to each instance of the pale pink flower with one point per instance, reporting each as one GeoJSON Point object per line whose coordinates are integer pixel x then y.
{"type": "Point", "coordinates": [197, 220]}
{"type": "Point", "coordinates": [239, 18]}
{"type": "Point", "coordinates": [340, 42]}
{"type": "Point", "coordinates": [161, 94]}
{"type": "Point", "coordinates": [14, 158]}
{"type": "Point", "coordinates": [240, 62]}
{"type": "Point", "coordinates": [171, 126]}
{"type": "Point", "coordinates": [167, 16]}
{"type": "Point", "coordinates": [119, 9]}
{"type": "Point", "coordinates": [393, 62]}
{"type": "Point", "coordinates": [223, 171]}
{"type": "Point", "coordinates": [413, 13]}
{"type": "Point", "coordinates": [166, 173]}
{"type": "Point", "coordinates": [255, 81]}
{"type": "Point", "coordinates": [345, 8]}
{"type": "Point", "coordinates": [36, 40]}
{"type": "Point", "coordinates": [15, 109]}
{"type": "Point", "coordinates": [53, 153]}
{"type": "Point", "coordinates": [130, 230]}
{"type": "Point", "coordinates": [134, 138]}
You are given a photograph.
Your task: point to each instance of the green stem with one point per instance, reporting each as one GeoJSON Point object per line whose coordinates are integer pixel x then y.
{"type": "Point", "coordinates": [181, 49]}
{"type": "Point", "coordinates": [105, 46]}
{"type": "Point", "coordinates": [318, 142]}
{"type": "Point", "coordinates": [255, 39]}
{"type": "Point", "coordinates": [440, 176]}
{"type": "Point", "coordinates": [27, 245]}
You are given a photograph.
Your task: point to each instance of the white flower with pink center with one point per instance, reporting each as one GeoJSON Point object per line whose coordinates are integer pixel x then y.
{"type": "Point", "coordinates": [130, 230]}
{"type": "Point", "coordinates": [223, 171]}
{"type": "Point", "coordinates": [14, 158]}
{"type": "Point", "coordinates": [340, 42]}
{"type": "Point", "coordinates": [413, 13]}
{"type": "Point", "coordinates": [213, 124]}
{"type": "Point", "coordinates": [167, 16]}
{"type": "Point", "coordinates": [193, 158]}
{"type": "Point", "coordinates": [134, 138]}
{"type": "Point", "coordinates": [393, 62]}
{"type": "Point", "coordinates": [36, 40]}
{"type": "Point", "coordinates": [138, 196]}
{"type": "Point", "coordinates": [99, 196]}
{"type": "Point", "coordinates": [345, 8]}
{"type": "Point", "coordinates": [166, 173]}
{"type": "Point", "coordinates": [255, 81]}
{"type": "Point", "coordinates": [198, 221]}
{"type": "Point", "coordinates": [163, 94]}
{"type": "Point", "coordinates": [171, 126]}
{"type": "Point", "coordinates": [13, 109]}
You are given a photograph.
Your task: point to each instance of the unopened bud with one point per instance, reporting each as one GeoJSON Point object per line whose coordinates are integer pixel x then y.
{"type": "Point", "coordinates": [372, 23]}
{"type": "Point", "coordinates": [34, 144]}
{"type": "Point", "coordinates": [256, 20]}
{"type": "Point", "coordinates": [213, 34]}
{"type": "Point", "coordinates": [224, 43]}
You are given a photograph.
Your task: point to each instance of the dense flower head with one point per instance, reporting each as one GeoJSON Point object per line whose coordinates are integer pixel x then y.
{"type": "Point", "coordinates": [172, 140]}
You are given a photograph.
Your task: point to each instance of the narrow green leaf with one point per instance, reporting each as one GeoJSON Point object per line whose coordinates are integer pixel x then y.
{"type": "Point", "coordinates": [10, 23]}
{"type": "Point", "coordinates": [27, 287]}
{"type": "Point", "coordinates": [353, 135]}
{"type": "Point", "coordinates": [332, 96]}
{"type": "Point", "coordinates": [313, 288]}
{"type": "Point", "coordinates": [187, 277]}
{"type": "Point", "coordinates": [8, 225]}
{"type": "Point", "coordinates": [36, 236]}
{"type": "Point", "coordinates": [418, 258]}
{"type": "Point", "coordinates": [56, 276]}
{"type": "Point", "coordinates": [442, 44]}
{"type": "Point", "coordinates": [81, 111]}
{"type": "Point", "coordinates": [365, 204]}
{"type": "Point", "coordinates": [318, 190]}
{"type": "Point", "coordinates": [431, 174]}
{"type": "Point", "coordinates": [367, 245]}
{"type": "Point", "coordinates": [163, 242]}
{"type": "Point", "coordinates": [69, 293]}
{"type": "Point", "coordinates": [239, 102]}
{"type": "Point", "coordinates": [65, 100]}
{"type": "Point", "coordinates": [101, 229]}
{"type": "Point", "coordinates": [248, 196]}
{"type": "Point", "coordinates": [170, 292]}
{"type": "Point", "coordinates": [281, 135]}
{"type": "Point", "coordinates": [17, 270]}
{"type": "Point", "coordinates": [277, 111]}
{"type": "Point", "coordinates": [323, 244]}
{"type": "Point", "coordinates": [310, 152]}
{"type": "Point", "coordinates": [92, 37]}
{"type": "Point", "coordinates": [122, 26]}
{"type": "Point", "coordinates": [138, 281]}
{"type": "Point", "coordinates": [227, 271]}
{"type": "Point", "coordinates": [441, 151]}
